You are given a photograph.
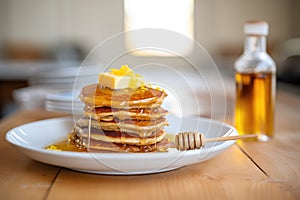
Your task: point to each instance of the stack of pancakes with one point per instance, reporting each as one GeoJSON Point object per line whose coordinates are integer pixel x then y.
{"type": "Point", "coordinates": [122, 120]}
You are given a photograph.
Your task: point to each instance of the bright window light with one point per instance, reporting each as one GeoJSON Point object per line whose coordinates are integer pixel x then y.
{"type": "Point", "coordinates": [174, 15]}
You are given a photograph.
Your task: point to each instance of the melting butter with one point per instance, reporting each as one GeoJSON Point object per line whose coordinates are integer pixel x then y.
{"type": "Point", "coordinates": [121, 78]}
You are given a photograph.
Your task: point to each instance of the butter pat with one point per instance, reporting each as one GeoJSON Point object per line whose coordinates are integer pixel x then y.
{"type": "Point", "coordinates": [119, 82]}
{"type": "Point", "coordinates": [120, 79]}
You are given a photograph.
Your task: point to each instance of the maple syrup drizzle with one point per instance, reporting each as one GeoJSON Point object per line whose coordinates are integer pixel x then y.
{"type": "Point", "coordinates": [89, 133]}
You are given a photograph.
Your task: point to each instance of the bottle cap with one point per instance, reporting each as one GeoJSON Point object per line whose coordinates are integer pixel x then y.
{"type": "Point", "coordinates": [256, 28]}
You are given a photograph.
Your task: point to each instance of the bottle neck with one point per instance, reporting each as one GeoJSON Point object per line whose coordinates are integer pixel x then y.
{"type": "Point", "coordinates": [255, 43]}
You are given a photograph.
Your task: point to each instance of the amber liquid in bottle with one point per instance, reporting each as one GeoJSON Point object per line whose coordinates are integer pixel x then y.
{"type": "Point", "coordinates": [255, 77]}
{"type": "Point", "coordinates": [255, 103]}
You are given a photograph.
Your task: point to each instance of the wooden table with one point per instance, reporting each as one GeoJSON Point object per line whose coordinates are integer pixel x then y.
{"type": "Point", "coordinates": [247, 170]}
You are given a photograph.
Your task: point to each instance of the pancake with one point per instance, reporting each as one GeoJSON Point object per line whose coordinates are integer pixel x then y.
{"type": "Point", "coordinates": [119, 137]}
{"type": "Point", "coordinates": [98, 145]}
{"type": "Point", "coordinates": [141, 128]}
{"type": "Point", "coordinates": [107, 146]}
{"type": "Point", "coordinates": [142, 97]}
{"type": "Point", "coordinates": [122, 114]}
{"type": "Point", "coordinates": [109, 114]}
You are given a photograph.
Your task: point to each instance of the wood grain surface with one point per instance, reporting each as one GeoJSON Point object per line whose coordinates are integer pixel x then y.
{"type": "Point", "coordinates": [247, 170]}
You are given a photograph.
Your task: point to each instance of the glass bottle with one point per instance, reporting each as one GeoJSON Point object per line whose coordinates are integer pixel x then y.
{"type": "Point", "coordinates": [255, 77]}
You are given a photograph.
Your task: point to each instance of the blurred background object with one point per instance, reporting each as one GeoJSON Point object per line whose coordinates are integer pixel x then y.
{"type": "Point", "coordinates": [41, 36]}
{"type": "Point", "coordinates": [288, 57]}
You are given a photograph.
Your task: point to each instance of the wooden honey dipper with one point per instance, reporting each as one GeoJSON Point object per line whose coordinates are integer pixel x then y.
{"type": "Point", "coordinates": [195, 140]}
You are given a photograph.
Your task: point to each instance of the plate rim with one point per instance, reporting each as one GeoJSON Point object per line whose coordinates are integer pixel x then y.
{"type": "Point", "coordinates": [29, 147]}
{"type": "Point", "coordinates": [115, 155]}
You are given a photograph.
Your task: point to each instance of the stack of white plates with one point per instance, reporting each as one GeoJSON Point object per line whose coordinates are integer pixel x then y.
{"type": "Point", "coordinates": [63, 77]}
{"type": "Point", "coordinates": [52, 89]}
{"type": "Point", "coordinates": [32, 97]}
{"type": "Point", "coordinates": [63, 102]}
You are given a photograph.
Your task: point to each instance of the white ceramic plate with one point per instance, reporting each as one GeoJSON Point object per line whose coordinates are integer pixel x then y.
{"type": "Point", "coordinates": [33, 137]}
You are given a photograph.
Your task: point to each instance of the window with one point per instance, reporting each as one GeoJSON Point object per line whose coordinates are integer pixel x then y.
{"type": "Point", "coordinates": [174, 15]}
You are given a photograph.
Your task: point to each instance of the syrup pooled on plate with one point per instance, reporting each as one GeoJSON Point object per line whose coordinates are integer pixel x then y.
{"type": "Point", "coordinates": [66, 145]}
{"type": "Point", "coordinates": [69, 145]}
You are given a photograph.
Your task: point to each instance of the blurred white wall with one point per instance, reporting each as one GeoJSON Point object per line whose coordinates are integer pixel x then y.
{"type": "Point", "coordinates": [49, 21]}
{"type": "Point", "coordinates": [218, 23]}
